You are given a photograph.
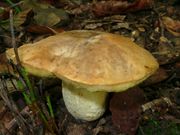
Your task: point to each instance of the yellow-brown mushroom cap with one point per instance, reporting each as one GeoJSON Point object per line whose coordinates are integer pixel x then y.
{"type": "Point", "coordinates": [98, 61]}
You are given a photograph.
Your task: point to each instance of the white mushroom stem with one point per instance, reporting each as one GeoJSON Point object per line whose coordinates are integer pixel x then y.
{"type": "Point", "coordinates": [83, 104]}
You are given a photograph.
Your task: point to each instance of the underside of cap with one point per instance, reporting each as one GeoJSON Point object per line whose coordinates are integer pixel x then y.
{"type": "Point", "coordinates": [97, 61]}
{"type": "Point", "coordinates": [108, 88]}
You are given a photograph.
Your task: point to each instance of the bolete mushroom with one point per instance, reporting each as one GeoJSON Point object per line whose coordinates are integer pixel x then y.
{"type": "Point", "coordinates": [90, 64]}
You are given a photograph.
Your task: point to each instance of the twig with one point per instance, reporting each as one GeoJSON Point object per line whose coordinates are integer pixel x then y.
{"type": "Point", "coordinates": [19, 66]}
{"type": "Point", "coordinates": [54, 126]}
{"type": "Point", "coordinates": [23, 74]}
{"type": "Point", "coordinates": [160, 21]}
{"type": "Point", "coordinates": [141, 130]}
{"type": "Point", "coordinates": [16, 4]}
{"type": "Point", "coordinates": [161, 26]}
{"type": "Point", "coordinates": [12, 106]}
{"type": "Point", "coordinates": [25, 126]}
{"type": "Point", "coordinates": [13, 39]}
{"type": "Point", "coordinates": [13, 5]}
{"type": "Point", "coordinates": [13, 123]}
{"type": "Point", "coordinates": [156, 102]}
{"type": "Point", "coordinates": [63, 123]}
{"type": "Point", "coordinates": [3, 111]}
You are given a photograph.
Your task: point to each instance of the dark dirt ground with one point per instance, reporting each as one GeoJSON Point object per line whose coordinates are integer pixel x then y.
{"type": "Point", "coordinates": [153, 108]}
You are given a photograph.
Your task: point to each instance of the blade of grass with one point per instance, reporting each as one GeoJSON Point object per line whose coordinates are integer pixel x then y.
{"type": "Point", "coordinates": [32, 100]}
{"type": "Point", "coordinates": [28, 82]}
{"type": "Point", "coordinates": [13, 38]}
{"type": "Point", "coordinates": [12, 106]}
{"type": "Point", "coordinates": [18, 10]}
{"type": "Point", "coordinates": [26, 96]}
{"type": "Point", "coordinates": [52, 120]}
{"type": "Point", "coordinates": [49, 105]}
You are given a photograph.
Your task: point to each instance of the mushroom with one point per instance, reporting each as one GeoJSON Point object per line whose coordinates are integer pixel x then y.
{"type": "Point", "coordinates": [90, 64]}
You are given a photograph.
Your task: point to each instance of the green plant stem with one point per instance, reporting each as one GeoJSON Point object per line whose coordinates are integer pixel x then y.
{"type": "Point", "coordinates": [11, 3]}
{"type": "Point", "coordinates": [25, 82]}
{"type": "Point", "coordinates": [52, 120]}
{"type": "Point", "coordinates": [49, 106]}
{"type": "Point", "coordinates": [22, 87]}
{"type": "Point", "coordinates": [34, 106]}
{"type": "Point", "coordinates": [29, 85]}
{"type": "Point", "coordinates": [26, 97]}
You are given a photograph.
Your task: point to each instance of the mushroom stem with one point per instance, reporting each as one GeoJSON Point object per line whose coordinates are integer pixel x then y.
{"type": "Point", "coordinates": [83, 104]}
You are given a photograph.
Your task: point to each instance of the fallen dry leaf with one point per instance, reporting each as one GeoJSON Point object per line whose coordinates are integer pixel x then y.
{"type": "Point", "coordinates": [19, 19]}
{"type": "Point", "coordinates": [39, 29]}
{"type": "Point", "coordinates": [103, 8]}
{"type": "Point", "coordinates": [51, 20]}
{"type": "Point", "coordinates": [53, 16]}
{"type": "Point", "coordinates": [4, 66]}
{"type": "Point", "coordinates": [125, 108]}
{"type": "Point", "coordinates": [4, 11]}
{"type": "Point", "coordinates": [75, 129]}
{"type": "Point", "coordinates": [5, 122]}
{"type": "Point", "coordinates": [157, 104]}
{"type": "Point", "coordinates": [3, 4]}
{"type": "Point", "coordinates": [173, 26]}
{"type": "Point", "coordinates": [46, 14]}
{"type": "Point", "coordinates": [166, 52]}
{"type": "Point", "coordinates": [4, 14]}
{"type": "Point", "coordinates": [160, 75]}
{"type": "Point", "coordinates": [8, 123]}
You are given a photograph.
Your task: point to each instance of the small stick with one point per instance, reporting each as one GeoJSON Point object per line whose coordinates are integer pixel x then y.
{"type": "Point", "coordinates": [13, 38]}
{"type": "Point", "coordinates": [156, 102]}
{"type": "Point", "coordinates": [25, 126]}
{"type": "Point", "coordinates": [3, 111]}
{"type": "Point", "coordinates": [13, 5]}
{"type": "Point", "coordinates": [13, 123]}
{"type": "Point", "coordinates": [12, 106]}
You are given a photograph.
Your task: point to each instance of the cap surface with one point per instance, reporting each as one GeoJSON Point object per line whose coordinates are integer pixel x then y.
{"type": "Point", "coordinates": [96, 60]}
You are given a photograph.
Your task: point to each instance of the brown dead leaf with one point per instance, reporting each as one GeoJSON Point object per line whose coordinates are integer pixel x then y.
{"type": "Point", "coordinates": [19, 19]}
{"type": "Point", "coordinates": [173, 26]}
{"type": "Point", "coordinates": [125, 108]}
{"type": "Point", "coordinates": [22, 17]}
{"type": "Point", "coordinates": [4, 14]}
{"type": "Point", "coordinates": [46, 14]}
{"type": "Point", "coordinates": [103, 8]}
{"type": "Point", "coordinates": [166, 52]}
{"type": "Point", "coordinates": [75, 129]}
{"type": "Point", "coordinates": [51, 18]}
{"type": "Point", "coordinates": [5, 122]}
{"type": "Point", "coordinates": [38, 29]}
{"type": "Point", "coordinates": [3, 109]}
{"type": "Point", "coordinates": [3, 4]}
{"type": "Point", "coordinates": [160, 75]}
{"type": "Point", "coordinates": [4, 11]}
{"type": "Point", "coordinates": [4, 66]}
